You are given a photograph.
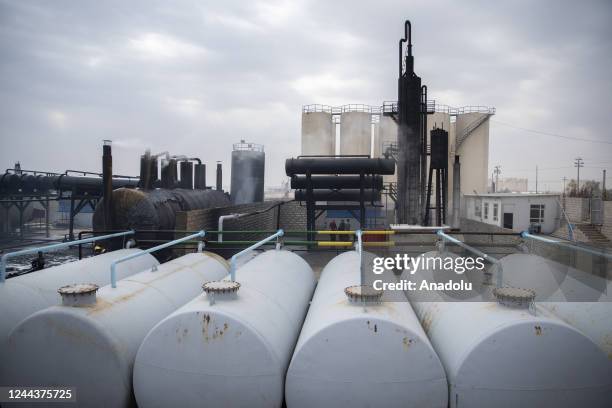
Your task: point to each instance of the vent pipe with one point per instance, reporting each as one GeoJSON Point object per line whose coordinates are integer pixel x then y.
{"type": "Point", "coordinates": [456, 192]}
{"type": "Point", "coordinates": [107, 182]}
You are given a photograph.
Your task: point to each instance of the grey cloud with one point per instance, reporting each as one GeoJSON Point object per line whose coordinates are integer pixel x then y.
{"type": "Point", "coordinates": [194, 77]}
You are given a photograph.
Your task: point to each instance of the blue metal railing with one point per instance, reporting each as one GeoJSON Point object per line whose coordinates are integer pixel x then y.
{"type": "Point", "coordinates": [114, 264]}
{"type": "Point", "coordinates": [278, 234]}
{"type": "Point", "coordinates": [53, 247]}
{"type": "Point", "coordinates": [486, 257]}
{"type": "Point", "coordinates": [526, 234]}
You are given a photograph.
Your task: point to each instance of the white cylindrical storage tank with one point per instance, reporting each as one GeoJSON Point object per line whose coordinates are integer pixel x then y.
{"type": "Point", "coordinates": [355, 133]}
{"type": "Point", "coordinates": [92, 347]}
{"type": "Point", "coordinates": [507, 357]}
{"type": "Point", "coordinates": [474, 151]}
{"type": "Point", "coordinates": [318, 132]}
{"type": "Point", "coordinates": [348, 356]}
{"type": "Point", "coordinates": [583, 300]}
{"type": "Point", "coordinates": [23, 295]}
{"type": "Point", "coordinates": [431, 269]}
{"type": "Point", "coordinates": [234, 352]}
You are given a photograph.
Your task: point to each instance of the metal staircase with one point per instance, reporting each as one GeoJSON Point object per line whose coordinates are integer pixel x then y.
{"type": "Point", "coordinates": [471, 127]}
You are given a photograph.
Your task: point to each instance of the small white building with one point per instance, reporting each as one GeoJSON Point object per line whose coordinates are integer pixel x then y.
{"type": "Point", "coordinates": [515, 211]}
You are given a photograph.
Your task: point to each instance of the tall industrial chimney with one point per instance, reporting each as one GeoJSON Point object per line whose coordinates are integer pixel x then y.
{"type": "Point", "coordinates": [107, 182]}
{"type": "Point", "coordinates": [219, 177]}
{"type": "Point", "coordinates": [456, 192]}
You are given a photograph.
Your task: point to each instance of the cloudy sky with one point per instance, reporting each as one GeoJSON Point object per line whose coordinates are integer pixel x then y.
{"type": "Point", "coordinates": [192, 77]}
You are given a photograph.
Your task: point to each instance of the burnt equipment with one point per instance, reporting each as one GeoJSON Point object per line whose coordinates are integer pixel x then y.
{"type": "Point", "coordinates": [412, 141]}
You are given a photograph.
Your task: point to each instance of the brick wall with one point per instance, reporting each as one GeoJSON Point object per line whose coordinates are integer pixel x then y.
{"type": "Point", "coordinates": [291, 217]}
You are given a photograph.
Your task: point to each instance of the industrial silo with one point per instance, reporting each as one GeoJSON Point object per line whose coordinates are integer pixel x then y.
{"type": "Point", "coordinates": [318, 131]}
{"type": "Point", "coordinates": [387, 139]}
{"type": "Point", "coordinates": [248, 168]}
{"type": "Point", "coordinates": [472, 144]}
{"type": "Point", "coordinates": [355, 130]}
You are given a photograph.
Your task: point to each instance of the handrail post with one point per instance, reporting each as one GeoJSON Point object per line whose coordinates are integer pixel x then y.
{"type": "Point", "coordinates": [53, 247]}
{"type": "Point", "coordinates": [278, 234]}
{"type": "Point", "coordinates": [359, 248]}
{"type": "Point", "coordinates": [148, 251]}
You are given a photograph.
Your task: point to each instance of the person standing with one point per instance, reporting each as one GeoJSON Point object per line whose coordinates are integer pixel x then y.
{"type": "Point", "coordinates": [333, 227]}
{"type": "Point", "coordinates": [341, 227]}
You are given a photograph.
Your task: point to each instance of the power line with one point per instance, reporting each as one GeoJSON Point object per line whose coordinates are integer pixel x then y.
{"type": "Point", "coordinates": [551, 134]}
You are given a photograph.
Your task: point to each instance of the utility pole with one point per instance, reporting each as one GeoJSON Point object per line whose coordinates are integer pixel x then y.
{"type": "Point", "coordinates": [603, 185]}
{"type": "Point", "coordinates": [564, 180]}
{"type": "Point", "coordinates": [497, 172]}
{"type": "Point", "coordinates": [578, 163]}
{"type": "Point", "coordinates": [536, 179]}
{"type": "Point", "coordinates": [563, 194]}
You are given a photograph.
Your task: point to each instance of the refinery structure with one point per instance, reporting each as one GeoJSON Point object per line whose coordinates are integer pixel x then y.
{"type": "Point", "coordinates": [385, 274]}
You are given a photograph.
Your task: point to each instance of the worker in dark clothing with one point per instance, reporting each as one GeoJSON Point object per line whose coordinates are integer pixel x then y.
{"type": "Point", "coordinates": [333, 227]}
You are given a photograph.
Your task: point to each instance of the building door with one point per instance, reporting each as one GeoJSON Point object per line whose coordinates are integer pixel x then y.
{"type": "Point", "coordinates": [508, 220]}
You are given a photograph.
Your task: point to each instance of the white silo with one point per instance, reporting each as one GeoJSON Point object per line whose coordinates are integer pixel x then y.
{"type": "Point", "coordinates": [318, 131]}
{"type": "Point", "coordinates": [355, 130]}
{"type": "Point", "coordinates": [472, 141]}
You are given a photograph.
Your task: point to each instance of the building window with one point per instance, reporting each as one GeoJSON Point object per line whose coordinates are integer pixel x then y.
{"type": "Point", "coordinates": [536, 214]}
{"type": "Point", "coordinates": [477, 211]}
{"type": "Point", "coordinates": [495, 212]}
{"type": "Point", "coordinates": [486, 211]}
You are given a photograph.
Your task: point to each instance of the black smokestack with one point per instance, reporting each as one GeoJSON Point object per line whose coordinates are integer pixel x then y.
{"type": "Point", "coordinates": [107, 182]}
{"type": "Point", "coordinates": [219, 177]}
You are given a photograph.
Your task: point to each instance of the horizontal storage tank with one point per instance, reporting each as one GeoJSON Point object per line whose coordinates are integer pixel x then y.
{"type": "Point", "coordinates": [318, 135]}
{"type": "Point", "coordinates": [25, 294]}
{"type": "Point", "coordinates": [92, 346]}
{"type": "Point", "coordinates": [248, 172]}
{"type": "Point", "coordinates": [432, 270]}
{"type": "Point", "coordinates": [351, 355]}
{"type": "Point", "coordinates": [497, 356]}
{"type": "Point", "coordinates": [155, 209]}
{"type": "Point", "coordinates": [583, 300]}
{"type": "Point", "coordinates": [235, 352]}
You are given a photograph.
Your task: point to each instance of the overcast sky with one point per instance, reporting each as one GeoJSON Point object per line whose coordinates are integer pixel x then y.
{"type": "Point", "coordinates": [193, 77]}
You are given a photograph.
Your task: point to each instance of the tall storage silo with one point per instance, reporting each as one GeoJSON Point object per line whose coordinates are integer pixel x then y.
{"type": "Point", "coordinates": [355, 132]}
{"type": "Point", "coordinates": [248, 169]}
{"type": "Point", "coordinates": [318, 131]}
{"type": "Point", "coordinates": [473, 147]}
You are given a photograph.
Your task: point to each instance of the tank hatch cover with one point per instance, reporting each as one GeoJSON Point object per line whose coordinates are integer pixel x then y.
{"type": "Point", "coordinates": [514, 297]}
{"type": "Point", "coordinates": [220, 287]}
{"type": "Point", "coordinates": [359, 293]}
{"type": "Point", "coordinates": [79, 294]}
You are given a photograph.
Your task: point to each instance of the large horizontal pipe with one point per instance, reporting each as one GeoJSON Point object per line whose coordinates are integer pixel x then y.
{"type": "Point", "coordinates": [339, 165]}
{"type": "Point", "coordinates": [340, 195]}
{"type": "Point", "coordinates": [26, 183]}
{"type": "Point", "coordinates": [337, 182]}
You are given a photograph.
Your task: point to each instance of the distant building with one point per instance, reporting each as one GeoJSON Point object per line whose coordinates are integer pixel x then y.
{"type": "Point", "coordinates": [511, 185]}
{"type": "Point", "coordinates": [515, 211]}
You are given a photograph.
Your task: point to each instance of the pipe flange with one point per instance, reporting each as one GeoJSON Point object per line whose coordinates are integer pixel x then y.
{"type": "Point", "coordinates": [221, 287]}
{"type": "Point", "coordinates": [514, 297]}
{"type": "Point", "coordinates": [363, 293]}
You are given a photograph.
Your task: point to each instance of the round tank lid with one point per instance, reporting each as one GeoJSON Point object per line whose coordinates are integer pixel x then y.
{"type": "Point", "coordinates": [514, 297]}
{"type": "Point", "coordinates": [78, 294]}
{"type": "Point", "coordinates": [220, 287]}
{"type": "Point", "coordinates": [359, 293]}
